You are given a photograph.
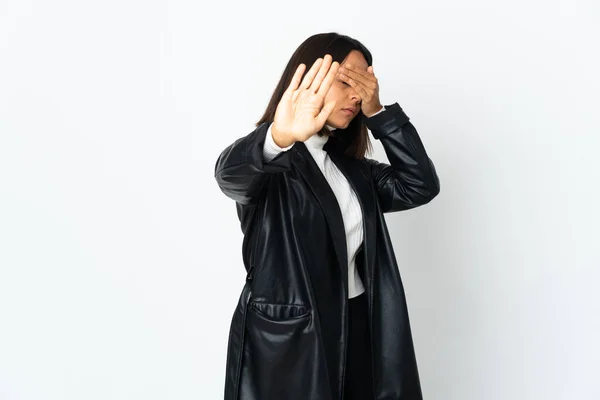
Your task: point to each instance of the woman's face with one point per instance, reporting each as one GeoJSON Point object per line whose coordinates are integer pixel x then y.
{"type": "Point", "coordinates": [344, 94]}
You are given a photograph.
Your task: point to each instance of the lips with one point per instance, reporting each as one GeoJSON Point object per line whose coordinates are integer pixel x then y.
{"type": "Point", "coordinates": [352, 110]}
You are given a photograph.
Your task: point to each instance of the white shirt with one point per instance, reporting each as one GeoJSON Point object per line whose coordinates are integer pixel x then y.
{"type": "Point", "coordinates": [346, 197]}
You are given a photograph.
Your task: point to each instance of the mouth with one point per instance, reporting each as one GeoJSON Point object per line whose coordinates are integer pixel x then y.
{"type": "Point", "coordinates": [349, 111]}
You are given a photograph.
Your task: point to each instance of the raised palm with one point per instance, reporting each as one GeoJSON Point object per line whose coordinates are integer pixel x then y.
{"type": "Point", "coordinates": [301, 111]}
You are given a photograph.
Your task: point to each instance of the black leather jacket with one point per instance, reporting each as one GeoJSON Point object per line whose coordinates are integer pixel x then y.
{"type": "Point", "coordinates": [288, 333]}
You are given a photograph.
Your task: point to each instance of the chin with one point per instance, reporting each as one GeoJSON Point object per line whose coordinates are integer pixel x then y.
{"type": "Point", "coordinates": [340, 125]}
{"type": "Point", "coordinates": [344, 125]}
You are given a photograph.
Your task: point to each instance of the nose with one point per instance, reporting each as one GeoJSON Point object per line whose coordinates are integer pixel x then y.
{"type": "Point", "coordinates": [355, 97]}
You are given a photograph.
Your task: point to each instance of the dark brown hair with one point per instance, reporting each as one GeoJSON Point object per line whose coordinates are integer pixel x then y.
{"type": "Point", "coordinates": [354, 140]}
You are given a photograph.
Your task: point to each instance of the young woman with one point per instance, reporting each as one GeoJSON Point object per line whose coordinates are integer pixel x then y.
{"type": "Point", "coordinates": [322, 315]}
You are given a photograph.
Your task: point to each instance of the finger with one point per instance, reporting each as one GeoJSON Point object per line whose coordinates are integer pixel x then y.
{"type": "Point", "coordinates": [357, 76]}
{"type": "Point", "coordinates": [296, 78]}
{"type": "Point", "coordinates": [328, 81]}
{"type": "Point", "coordinates": [321, 74]}
{"type": "Point", "coordinates": [372, 75]}
{"type": "Point", "coordinates": [356, 85]}
{"type": "Point", "coordinates": [326, 112]}
{"type": "Point", "coordinates": [311, 74]}
{"type": "Point", "coordinates": [357, 69]}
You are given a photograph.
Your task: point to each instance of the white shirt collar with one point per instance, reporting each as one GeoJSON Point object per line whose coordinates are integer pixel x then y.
{"type": "Point", "coordinates": [316, 141]}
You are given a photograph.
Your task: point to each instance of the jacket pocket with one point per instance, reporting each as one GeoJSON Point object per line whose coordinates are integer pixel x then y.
{"type": "Point", "coordinates": [279, 312]}
{"type": "Point", "coordinates": [281, 360]}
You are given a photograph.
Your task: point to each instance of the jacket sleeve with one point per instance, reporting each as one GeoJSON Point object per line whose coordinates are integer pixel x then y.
{"type": "Point", "coordinates": [410, 180]}
{"type": "Point", "coordinates": [242, 170]}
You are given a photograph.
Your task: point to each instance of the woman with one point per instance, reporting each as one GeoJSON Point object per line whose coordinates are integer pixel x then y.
{"type": "Point", "coordinates": [322, 315]}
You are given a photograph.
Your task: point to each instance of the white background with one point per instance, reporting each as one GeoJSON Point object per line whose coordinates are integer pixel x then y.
{"type": "Point", "coordinates": [120, 259]}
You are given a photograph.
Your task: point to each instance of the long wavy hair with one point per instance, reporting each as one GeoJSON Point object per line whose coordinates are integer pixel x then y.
{"type": "Point", "coordinates": [354, 140]}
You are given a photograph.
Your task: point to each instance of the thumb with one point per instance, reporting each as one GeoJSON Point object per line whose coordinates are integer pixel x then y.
{"type": "Point", "coordinates": [326, 112]}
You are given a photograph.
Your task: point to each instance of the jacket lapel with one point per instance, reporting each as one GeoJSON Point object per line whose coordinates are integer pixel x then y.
{"type": "Point", "coordinates": [358, 176]}
{"type": "Point", "coordinates": [320, 187]}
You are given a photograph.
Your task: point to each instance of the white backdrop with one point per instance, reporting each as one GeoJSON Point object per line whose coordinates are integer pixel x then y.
{"type": "Point", "coordinates": [120, 259]}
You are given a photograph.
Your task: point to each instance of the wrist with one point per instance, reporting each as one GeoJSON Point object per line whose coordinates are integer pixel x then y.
{"type": "Point", "coordinates": [281, 140]}
{"type": "Point", "coordinates": [378, 109]}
